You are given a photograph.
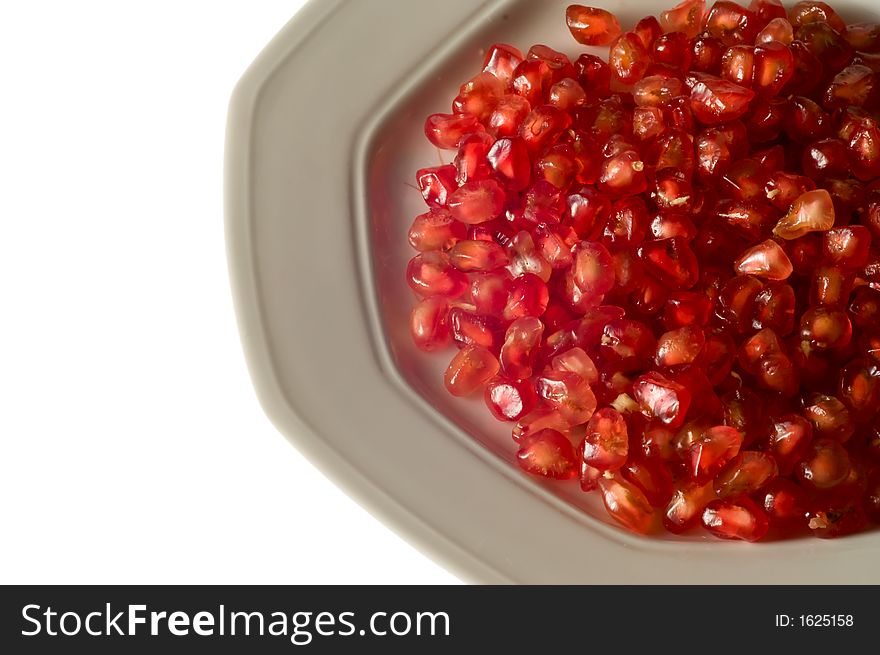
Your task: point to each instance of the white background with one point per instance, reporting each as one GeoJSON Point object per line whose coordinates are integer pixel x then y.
{"type": "Point", "coordinates": [133, 448]}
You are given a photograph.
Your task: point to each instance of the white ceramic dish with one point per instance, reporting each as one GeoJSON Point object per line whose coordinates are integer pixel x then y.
{"type": "Point", "coordinates": [324, 133]}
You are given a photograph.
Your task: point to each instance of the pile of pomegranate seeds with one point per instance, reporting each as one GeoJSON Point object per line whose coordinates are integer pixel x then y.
{"type": "Point", "coordinates": [659, 268]}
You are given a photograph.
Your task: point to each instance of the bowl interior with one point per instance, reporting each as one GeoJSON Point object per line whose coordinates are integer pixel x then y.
{"type": "Point", "coordinates": [398, 148]}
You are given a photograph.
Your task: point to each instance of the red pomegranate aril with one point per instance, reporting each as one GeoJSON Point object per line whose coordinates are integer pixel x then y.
{"type": "Point", "coordinates": [569, 394]}
{"type": "Point", "coordinates": [606, 442]}
{"type": "Point", "coordinates": [593, 269]}
{"type": "Point", "coordinates": [594, 75]}
{"type": "Point", "coordinates": [774, 67]}
{"type": "Point", "coordinates": [627, 222]}
{"type": "Point", "coordinates": [436, 184]}
{"type": "Point", "coordinates": [847, 247]}
{"type": "Point", "coordinates": [510, 399]}
{"type": "Point", "coordinates": [687, 504]}
{"type": "Point", "coordinates": [790, 437]}
{"type": "Point", "coordinates": [744, 180]}
{"type": "Point", "coordinates": [429, 324]}
{"type": "Point", "coordinates": [530, 80]}
{"type": "Point", "coordinates": [576, 360]}
{"type": "Point", "coordinates": [661, 398]}
{"type": "Point", "coordinates": [853, 86]}
{"type": "Point", "coordinates": [432, 274]}
{"type": "Point", "coordinates": [684, 308]}
{"type": "Point", "coordinates": [864, 307]}
{"type": "Point", "coordinates": [477, 96]}
{"type": "Point", "coordinates": [651, 477]}
{"type": "Point", "coordinates": [767, 10]}
{"type": "Point", "coordinates": [520, 347]}
{"type": "Point", "coordinates": [482, 256]}
{"type": "Point", "coordinates": [543, 126]}
{"type": "Point", "coordinates": [628, 58]}
{"type": "Point", "coordinates": [826, 328]}
{"type": "Point", "coordinates": [735, 303]}
{"type": "Point", "coordinates": [671, 261]}
{"type": "Point", "coordinates": [774, 308]}
{"type": "Point", "coordinates": [648, 30]}
{"type": "Point", "coordinates": [629, 345]}
{"type": "Point", "coordinates": [864, 152]}
{"type": "Point", "coordinates": [735, 520]}
{"type": "Point", "coordinates": [527, 296]}
{"type": "Point", "coordinates": [567, 94]}
{"type": "Point", "coordinates": [541, 418]}
{"type": "Point", "coordinates": [803, 13]}
{"type": "Point", "coordinates": [649, 299]}
{"type": "Point", "coordinates": [623, 174]}
{"type": "Point", "coordinates": [836, 514]}
{"type": "Point", "coordinates": [509, 158]}
{"type": "Point", "coordinates": [738, 64]}
{"type": "Point", "coordinates": [859, 388]}
{"type": "Point", "coordinates": [745, 474]}
{"type": "Point", "coordinates": [477, 201]}
{"type": "Point", "coordinates": [812, 211]}
{"type": "Point", "coordinates": [825, 158]}
{"type": "Point", "coordinates": [549, 454]}
{"type": "Point", "coordinates": [807, 120]}
{"type": "Point", "coordinates": [715, 100]}
{"type": "Point", "coordinates": [501, 60]}
{"type": "Point", "coordinates": [872, 496]}
{"type": "Point", "coordinates": [627, 504]}
{"type": "Point", "coordinates": [706, 54]}
{"type": "Point", "coordinates": [766, 260]}
{"type": "Point", "coordinates": [779, 30]}
{"type": "Point", "coordinates": [831, 286]}
{"type": "Point", "coordinates": [648, 122]}
{"type": "Point", "coordinates": [681, 346]}
{"type": "Point", "coordinates": [591, 25]}
{"type": "Point", "coordinates": [559, 64]}
{"type": "Point", "coordinates": [731, 23]}
{"type": "Point", "coordinates": [489, 292]}
{"type": "Point", "coordinates": [826, 44]}
{"type": "Point", "coordinates": [507, 116]}
{"type": "Point", "coordinates": [470, 370]}
{"type": "Point", "coordinates": [712, 450]}
{"type": "Point", "coordinates": [687, 17]}
{"type": "Point", "coordinates": [864, 37]}
{"type": "Point", "coordinates": [470, 329]}
{"type": "Point", "coordinates": [757, 346]}
{"type": "Point", "coordinates": [435, 230]}
{"type": "Point", "coordinates": [830, 417]}
{"type": "Point", "coordinates": [656, 91]}
{"type": "Point", "coordinates": [782, 188]}
{"type": "Point", "coordinates": [784, 502]}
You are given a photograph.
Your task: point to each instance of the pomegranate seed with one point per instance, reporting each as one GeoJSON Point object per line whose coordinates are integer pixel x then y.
{"type": "Point", "coordinates": [735, 520]}
{"type": "Point", "coordinates": [548, 453]}
{"type": "Point", "coordinates": [864, 307]}
{"type": "Point", "coordinates": [774, 308]}
{"type": "Point", "coordinates": [826, 328]}
{"type": "Point", "coordinates": [711, 451]}
{"type": "Point", "coordinates": [687, 504]}
{"type": "Point", "coordinates": [836, 514]}
{"type": "Point", "coordinates": [543, 126]}
{"type": "Point", "coordinates": [591, 25]}
{"type": "Point", "coordinates": [628, 344]}
{"type": "Point", "coordinates": [681, 346]}
{"type": "Point", "coordinates": [628, 58]}
{"type": "Point", "coordinates": [436, 184]}
{"type": "Point", "coordinates": [446, 130]}
{"type": "Point", "coordinates": [803, 13]}
{"type": "Point", "coordinates": [559, 64]}
{"type": "Point", "coordinates": [661, 398]}
{"type": "Point", "coordinates": [540, 419]}
{"type": "Point", "coordinates": [527, 296]}
{"type": "Point", "coordinates": [685, 308]}
{"type": "Point", "coordinates": [672, 261]}
{"type": "Point", "coordinates": [825, 158]}
{"type": "Point", "coordinates": [531, 79]}
{"type": "Point", "coordinates": [859, 388]}
{"type": "Point", "coordinates": [651, 478]}
{"type": "Point", "coordinates": [627, 504]}
{"type": "Point", "coordinates": [477, 96]}
{"type": "Point", "coordinates": [575, 360]}
{"type": "Point", "coordinates": [715, 100]}
{"type": "Point", "coordinates": [435, 230]}
{"type": "Point", "coordinates": [429, 324]}
{"type": "Point", "coordinates": [767, 260]}
{"type": "Point", "coordinates": [738, 64]}
{"type": "Point", "coordinates": [507, 116]}
{"type": "Point", "coordinates": [569, 394]}
{"type": "Point", "coordinates": [812, 211]}
{"type": "Point", "coordinates": [469, 256]}
{"type": "Point", "coordinates": [510, 400]}
{"type": "Point", "coordinates": [779, 30]}
{"type": "Point", "coordinates": [501, 60]}
{"type": "Point", "coordinates": [520, 347]}
{"type": "Point", "coordinates": [606, 444]}
{"type": "Point", "coordinates": [829, 417]}
{"type": "Point", "coordinates": [784, 502]}
{"type": "Point", "coordinates": [745, 474]}
{"type": "Point", "coordinates": [623, 174]}
{"type": "Point", "coordinates": [656, 91]}
{"type": "Point", "coordinates": [470, 370]}
{"type": "Point", "coordinates": [431, 274]}
{"type": "Point", "coordinates": [826, 464]}
{"type": "Point", "coordinates": [469, 329]}
{"type": "Point", "coordinates": [567, 94]}
{"type": "Point", "coordinates": [847, 247]}
{"type": "Point", "coordinates": [706, 53]}
{"type": "Point", "coordinates": [489, 293]}
{"type": "Point", "coordinates": [790, 436]}
{"type": "Point", "coordinates": [592, 270]}
{"type": "Point", "coordinates": [477, 201]}
{"type": "Point", "coordinates": [686, 17]}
